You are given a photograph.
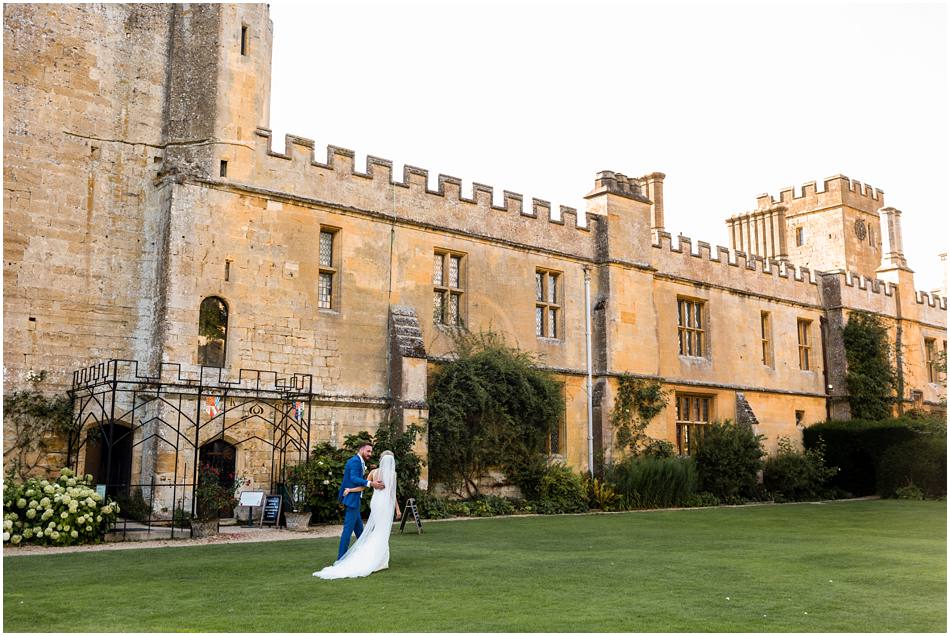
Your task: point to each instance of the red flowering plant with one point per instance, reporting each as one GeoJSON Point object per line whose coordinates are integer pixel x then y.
{"type": "Point", "coordinates": [215, 491]}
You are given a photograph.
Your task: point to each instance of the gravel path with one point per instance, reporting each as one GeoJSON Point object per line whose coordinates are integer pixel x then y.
{"type": "Point", "coordinates": [228, 534]}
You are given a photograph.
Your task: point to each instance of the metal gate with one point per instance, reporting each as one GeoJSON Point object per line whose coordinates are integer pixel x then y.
{"type": "Point", "coordinates": [145, 432]}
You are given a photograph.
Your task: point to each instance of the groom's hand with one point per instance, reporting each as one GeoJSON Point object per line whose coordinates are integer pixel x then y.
{"type": "Point", "coordinates": [378, 485]}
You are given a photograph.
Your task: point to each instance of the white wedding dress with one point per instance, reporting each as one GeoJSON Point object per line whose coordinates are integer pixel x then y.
{"type": "Point", "coordinates": [370, 552]}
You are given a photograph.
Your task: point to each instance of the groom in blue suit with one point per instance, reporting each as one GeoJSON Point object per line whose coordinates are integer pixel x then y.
{"type": "Point", "coordinates": [353, 478]}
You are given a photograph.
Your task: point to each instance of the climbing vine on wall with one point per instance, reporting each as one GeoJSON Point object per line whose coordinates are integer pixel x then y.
{"type": "Point", "coordinates": [37, 420]}
{"type": "Point", "coordinates": [491, 407]}
{"type": "Point", "coordinates": [638, 401]}
{"type": "Point", "coordinates": [870, 378]}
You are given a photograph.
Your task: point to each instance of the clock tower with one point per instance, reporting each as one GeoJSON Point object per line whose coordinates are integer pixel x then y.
{"type": "Point", "coordinates": [836, 228]}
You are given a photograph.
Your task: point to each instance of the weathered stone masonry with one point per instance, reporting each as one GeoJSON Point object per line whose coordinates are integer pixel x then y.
{"type": "Point", "coordinates": [140, 179]}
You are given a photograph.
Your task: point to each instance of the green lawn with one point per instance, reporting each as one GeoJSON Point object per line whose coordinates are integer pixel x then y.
{"type": "Point", "coordinates": [849, 566]}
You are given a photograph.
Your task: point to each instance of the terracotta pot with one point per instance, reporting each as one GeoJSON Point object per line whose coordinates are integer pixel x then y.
{"type": "Point", "coordinates": [204, 528]}
{"type": "Point", "coordinates": [298, 521]}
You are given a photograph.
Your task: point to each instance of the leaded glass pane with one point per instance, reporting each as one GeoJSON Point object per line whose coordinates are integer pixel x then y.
{"type": "Point", "coordinates": [539, 321]}
{"type": "Point", "coordinates": [437, 270]}
{"type": "Point", "coordinates": [539, 286]}
{"type": "Point", "coordinates": [453, 310]}
{"type": "Point", "coordinates": [552, 323]}
{"type": "Point", "coordinates": [437, 307]}
{"type": "Point", "coordinates": [552, 288]}
{"type": "Point", "coordinates": [326, 249]}
{"type": "Point", "coordinates": [698, 315]}
{"type": "Point", "coordinates": [705, 417]}
{"type": "Point", "coordinates": [454, 271]}
{"type": "Point", "coordinates": [679, 315]}
{"type": "Point", "coordinates": [325, 291]}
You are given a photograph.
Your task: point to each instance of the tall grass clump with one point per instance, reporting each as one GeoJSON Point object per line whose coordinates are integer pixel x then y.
{"type": "Point", "coordinates": [654, 482]}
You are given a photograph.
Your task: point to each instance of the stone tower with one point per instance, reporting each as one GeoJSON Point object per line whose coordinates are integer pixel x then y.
{"type": "Point", "coordinates": [836, 228]}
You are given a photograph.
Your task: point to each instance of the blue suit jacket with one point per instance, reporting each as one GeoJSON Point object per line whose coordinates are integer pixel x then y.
{"type": "Point", "coordinates": [352, 478]}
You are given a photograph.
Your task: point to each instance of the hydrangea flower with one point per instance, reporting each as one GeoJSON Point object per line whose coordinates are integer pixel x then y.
{"type": "Point", "coordinates": [63, 514]}
{"type": "Point", "coordinates": [54, 535]}
{"type": "Point", "coordinates": [6, 536]}
{"type": "Point", "coordinates": [21, 503]}
{"type": "Point", "coordinates": [45, 502]}
{"type": "Point", "coordinates": [74, 534]}
{"type": "Point", "coordinates": [7, 524]}
{"type": "Point", "coordinates": [15, 539]}
{"type": "Point", "coordinates": [88, 528]}
{"type": "Point", "coordinates": [30, 513]}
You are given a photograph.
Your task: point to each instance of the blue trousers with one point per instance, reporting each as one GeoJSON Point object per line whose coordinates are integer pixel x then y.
{"type": "Point", "coordinates": [351, 523]}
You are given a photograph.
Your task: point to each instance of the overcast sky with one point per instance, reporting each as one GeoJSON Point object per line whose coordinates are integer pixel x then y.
{"type": "Point", "coordinates": [729, 101]}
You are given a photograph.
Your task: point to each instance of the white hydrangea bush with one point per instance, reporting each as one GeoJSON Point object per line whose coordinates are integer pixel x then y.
{"type": "Point", "coordinates": [65, 511]}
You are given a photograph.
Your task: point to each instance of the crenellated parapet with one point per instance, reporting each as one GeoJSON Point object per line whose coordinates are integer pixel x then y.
{"type": "Point", "coordinates": [835, 191]}
{"type": "Point", "coordinates": [375, 189]}
{"type": "Point", "coordinates": [736, 269]}
{"type": "Point", "coordinates": [932, 299]}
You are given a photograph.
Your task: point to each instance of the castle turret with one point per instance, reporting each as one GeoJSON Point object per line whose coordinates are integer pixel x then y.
{"type": "Point", "coordinates": [218, 91]}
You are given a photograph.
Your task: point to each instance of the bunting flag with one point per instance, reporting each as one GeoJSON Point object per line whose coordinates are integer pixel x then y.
{"type": "Point", "coordinates": [214, 406]}
{"type": "Point", "coordinates": [298, 410]}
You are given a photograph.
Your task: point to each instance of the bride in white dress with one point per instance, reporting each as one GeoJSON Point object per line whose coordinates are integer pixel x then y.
{"type": "Point", "coordinates": [370, 553]}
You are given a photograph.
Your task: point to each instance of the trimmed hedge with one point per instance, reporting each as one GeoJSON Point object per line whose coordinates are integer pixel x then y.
{"type": "Point", "coordinates": [857, 447]}
{"type": "Point", "coordinates": [921, 462]}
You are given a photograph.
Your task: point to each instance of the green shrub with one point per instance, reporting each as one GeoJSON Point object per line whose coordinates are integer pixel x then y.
{"type": "Point", "coordinates": [794, 475]}
{"type": "Point", "coordinates": [728, 459]}
{"type": "Point", "coordinates": [134, 506]}
{"type": "Point", "coordinates": [856, 448]}
{"type": "Point", "coordinates": [64, 511]}
{"type": "Point", "coordinates": [654, 482]}
{"type": "Point", "coordinates": [701, 500]}
{"type": "Point", "coordinates": [319, 477]}
{"type": "Point", "coordinates": [910, 491]}
{"type": "Point", "coordinates": [431, 507]}
{"type": "Point", "coordinates": [181, 518]}
{"type": "Point", "coordinates": [602, 496]}
{"type": "Point", "coordinates": [561, 490]}
{"type": "Point", "coordinates": [921, 462]}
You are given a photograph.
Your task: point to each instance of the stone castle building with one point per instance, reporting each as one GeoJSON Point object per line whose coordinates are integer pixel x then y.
{"type": "Point", "coordinates": [148, 219]}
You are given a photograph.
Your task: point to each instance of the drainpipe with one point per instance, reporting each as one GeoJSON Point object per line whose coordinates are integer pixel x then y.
{"type": "Point", "coordinates": [590, 380]}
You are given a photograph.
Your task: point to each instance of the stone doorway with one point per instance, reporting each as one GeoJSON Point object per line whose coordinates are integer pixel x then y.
{"type": "Point", "coordinates": [221, 456]}
{"type": "Point", "coordinates": [109, 457]}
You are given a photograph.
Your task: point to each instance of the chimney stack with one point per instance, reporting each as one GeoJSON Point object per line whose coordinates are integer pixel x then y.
{"type": "Point", "coordinates": [892, 248]}
{"type": "Point", "coordinates": [654, 192]}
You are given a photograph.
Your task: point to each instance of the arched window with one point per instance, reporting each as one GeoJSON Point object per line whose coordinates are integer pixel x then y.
{"type": "Point", "coordinates": [212, 332]}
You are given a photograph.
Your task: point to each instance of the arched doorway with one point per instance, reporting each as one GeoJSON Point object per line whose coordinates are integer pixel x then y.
{"type": "Point", "coordinates": [109, 456]}
{"type": "Point", "coordinates": [221, 456]}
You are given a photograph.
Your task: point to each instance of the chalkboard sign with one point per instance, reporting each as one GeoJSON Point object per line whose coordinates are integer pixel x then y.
{"type": "Point", "coordinates": [414, 511]}
{"type": "Point", "coordinates": [273, 504]}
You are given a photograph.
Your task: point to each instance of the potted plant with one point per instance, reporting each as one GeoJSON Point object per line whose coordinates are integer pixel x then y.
{"type": "Point", "coordinates": [211, 495]}
{"type": "Point", "coordinates": [298, 519]}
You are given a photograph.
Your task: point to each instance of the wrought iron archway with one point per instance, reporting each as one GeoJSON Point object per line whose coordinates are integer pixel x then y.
{"type": "Point", "coordinates": [169, 416]}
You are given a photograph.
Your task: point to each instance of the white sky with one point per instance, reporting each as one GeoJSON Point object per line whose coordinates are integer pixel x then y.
{"type": "Point", "coordinates": [729, 101]}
